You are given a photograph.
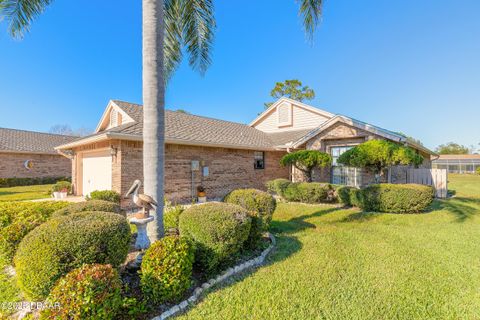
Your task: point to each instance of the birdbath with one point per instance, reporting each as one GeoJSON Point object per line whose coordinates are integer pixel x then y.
{"type": "Point", "coordinates": [142, 241]}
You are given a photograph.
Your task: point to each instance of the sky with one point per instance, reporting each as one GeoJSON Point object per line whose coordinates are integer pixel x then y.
{"type": "Point", "coordinates": [410, 66]}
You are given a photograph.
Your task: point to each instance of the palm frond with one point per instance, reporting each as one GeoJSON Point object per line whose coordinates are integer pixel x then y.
{"type": "Point", "coordinates": [173, 37]}
{"type": "Point", "coordinates": [311, 11]}
{"type": "Point", "coordinates": [19, 14]}
{"type": "Point", "coordinates": [198, 32]}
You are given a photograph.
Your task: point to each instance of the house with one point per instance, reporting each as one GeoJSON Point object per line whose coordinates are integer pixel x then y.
{"type": "Point", "coordinates": [219, 155]}
{"type": "Point", "coordinates": [457, 163]}
{"type": "Point", "coordinates": [28, 154]}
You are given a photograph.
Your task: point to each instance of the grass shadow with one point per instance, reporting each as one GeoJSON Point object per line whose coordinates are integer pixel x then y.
{"type": "Point", "coordinates": [297, 224]}
{"type": "Point", "coordinates": [462, 208]}
{"type": "Point", "coordinates": [361, 216]}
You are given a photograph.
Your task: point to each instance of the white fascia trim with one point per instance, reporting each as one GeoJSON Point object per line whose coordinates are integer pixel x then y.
{"type": "Point", "coordinates": [111, 105]}
{"type": "Point", "coordinates": [293, 102]}
{"type": "Point", "coordinates": [92, 139]}
{"type": "Point", "coordinates": [28, 152]}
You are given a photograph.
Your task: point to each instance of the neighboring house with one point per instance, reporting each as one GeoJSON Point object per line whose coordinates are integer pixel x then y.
{"type": "Point", "coordinates": [28, 154]}
{"type": "Point", "coordinates": [457, 163]}
{"type": "Point", "coordinates": [219, 155]}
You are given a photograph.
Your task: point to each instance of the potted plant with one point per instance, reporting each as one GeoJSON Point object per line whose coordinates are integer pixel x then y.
{"type": "Point", "coordinates": [202, 196]}
{"type": "Point", "coordinates": [61, 189]}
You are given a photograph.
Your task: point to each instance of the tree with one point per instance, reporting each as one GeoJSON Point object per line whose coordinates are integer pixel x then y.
{"type": "Point", "coordinates": [306, 161]}
{"type": "Point", "coordinates": [292, 89]}
{"type": "Point", "coordinates": [66, 130]}
{"type": "Point", "coordinates": [377, 155]}
{"type": "Point", "coordinates": [452, 148]}
{"type": "Point", "coordinates": [170, 27]}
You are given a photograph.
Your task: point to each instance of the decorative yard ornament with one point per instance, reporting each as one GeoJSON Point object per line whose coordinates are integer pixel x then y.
{"type": "Point", "coordinates": [28, 164]}
{"type": "Point", "coordinates": [141, 218]}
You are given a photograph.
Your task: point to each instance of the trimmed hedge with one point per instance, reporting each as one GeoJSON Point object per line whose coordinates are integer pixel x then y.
{"type": "Point", "coordinates": [278, 186]}
{"type": "Point", "coordinates": [19, 218]}
{"type": "Point", "coordinates": [218, 231]}
{"type": "Point", "coordinates": [171, 217]}
{"type": "Point", "coordinates": [106, 195]}
{"type": "Point", "coordinates": [65, 243]}
{"type": "Point", "coordinates": [397, 198]}
{"type": "Point", "coordinates": [310, 192]}
{"type": "Point", "coordinates": [349, 196]}
{"type": "Point", "coordinates": [166, 269]}
{"type": "Point", "coordinates": [260, 206]}
{"type": "Point", "coordinates": [89, 292]}
{"type": "Point", "coordinates": [17, 182]}
{"type": "Point", "coordinates": [92, 205]}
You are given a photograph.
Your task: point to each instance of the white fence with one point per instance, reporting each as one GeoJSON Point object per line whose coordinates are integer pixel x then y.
{"type": "Point", "coordinates": [431, 177]}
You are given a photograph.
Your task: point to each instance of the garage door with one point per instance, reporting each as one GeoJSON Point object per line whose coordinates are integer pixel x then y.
{"type": "Point", "coordinates": [97, 172]}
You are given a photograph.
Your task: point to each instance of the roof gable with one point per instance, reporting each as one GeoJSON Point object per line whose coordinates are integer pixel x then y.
{"type": "Point", "coordinates": [287, 114]}
{"type": "Point", "coordinates": [104, 122]}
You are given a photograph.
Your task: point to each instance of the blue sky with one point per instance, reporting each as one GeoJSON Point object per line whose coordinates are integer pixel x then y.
{"type": "Point", "coordinates": [410, 66]}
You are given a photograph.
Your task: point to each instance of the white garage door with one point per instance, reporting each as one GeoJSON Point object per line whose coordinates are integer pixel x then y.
{"type": "Point", "coordinates": [97, 172]}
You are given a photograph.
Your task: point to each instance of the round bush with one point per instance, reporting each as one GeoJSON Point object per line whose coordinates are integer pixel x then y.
{"type": "Point", "coordinates": [90, 292]}
{"type": "Point", "coordinates": [218, 231]}
{"type": "Point", "coordinates": [171, 217]}
{"type": "Point", "coordinates": [278, 186]}
{"type": "Point", "coordinates": [107, 195]}
{"type": "Point", "coordinates": [396, 198]}
{"type": "Point", "coordinates": [92, 205]}
{"type": "Point", "coordinates": [167, 269]}
{"type": "Point", "coordinates": [260, 206]}
{"type": "Point", "coordinates": [65, 243]}
{"type": "Point", "coordinates": [349, 196]}
{"type": "Point", "coordinates": [310, 192]}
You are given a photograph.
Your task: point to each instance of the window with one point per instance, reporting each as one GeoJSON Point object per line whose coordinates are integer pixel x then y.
{"type": "Point", "coordinates": [259, 160]}
{"type": "Point", "coordinates": [341, 174]}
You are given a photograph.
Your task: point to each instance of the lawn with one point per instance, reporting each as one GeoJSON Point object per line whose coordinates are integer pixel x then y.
{"type": "Point", "coordinates": [25, 193]}
{"type": "Point", "coordinates": [334, 263]}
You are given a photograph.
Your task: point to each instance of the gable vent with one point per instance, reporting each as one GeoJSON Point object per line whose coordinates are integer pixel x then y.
{"type": "Point", "coordinates": [284, 113]}
{"type": "Point", "coordinates": [113, 118]}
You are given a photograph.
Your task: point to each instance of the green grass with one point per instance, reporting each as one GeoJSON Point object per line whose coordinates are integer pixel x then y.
{"type": "Point", "coordinates": [333, 263]}
{"type": "Point", "coordinates": [25, 193]}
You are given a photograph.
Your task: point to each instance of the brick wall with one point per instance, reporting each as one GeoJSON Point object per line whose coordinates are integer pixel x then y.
{"type": "Point", "coordinates": [228, 169]}
{"type": "Point", "coordinates": [44, 165]}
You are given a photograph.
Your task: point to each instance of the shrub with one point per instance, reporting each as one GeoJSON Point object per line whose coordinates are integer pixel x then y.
{"type": "Point", "coordinates": [260, 206]}
{"type": "Point", "coordinates": [349, 196]}
{"type": "Point", "coordinates": [93, 205]}
{"type": "Point", "coordinates": [62, 186]}
{"type": "Point", "coordinates": [89, 292]}
{"type": "Point", "coordinates": [310, 192]}
{"type": "Point", "coordinates": [167, 269]}
{"type": "Point", "coordinates": [477, 170]}
{"type": "Point", "coordinates": [397, 198]}
{"type": "Point", "coordinates": [171, 217]}
{"type": "Point", "coordinates": [278, 186]}
{"type": "Point", "coordinates": [65, 243]}
{"type": "Point", "coordinates": [19, 218]}
{"type": "Point", "coordinates": [106, 195]}
{"type": "Point", "coordinates": [218, 231]}
{"type": "Point", "coordinates": [16, 182]}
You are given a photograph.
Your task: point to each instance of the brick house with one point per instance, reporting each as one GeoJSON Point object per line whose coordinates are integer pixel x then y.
{"type": "Point", "coordinates": [218, 155]}
{"type": "Point", "coordinates": [28, 154]}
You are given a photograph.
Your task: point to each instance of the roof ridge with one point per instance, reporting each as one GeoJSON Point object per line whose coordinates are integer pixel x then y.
{"type": "Point", "coordinates": [40, 132]}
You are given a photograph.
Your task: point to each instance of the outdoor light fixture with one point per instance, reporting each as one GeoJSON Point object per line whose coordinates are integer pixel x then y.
{"type": "Point", "coordinates": [113, 151]}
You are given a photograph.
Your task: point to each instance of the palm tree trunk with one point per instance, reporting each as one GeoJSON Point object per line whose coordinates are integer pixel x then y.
{"type": "Point", "coordinates": [153, 110]}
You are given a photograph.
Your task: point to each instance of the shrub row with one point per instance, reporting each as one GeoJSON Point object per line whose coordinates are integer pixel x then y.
{"type": "Point", "coordinates": [15, 182]}
{"type": "Point", "coordinates": [64, 243]}
{"type": "Point", "coordinates": [278, 186]}
{"type": "Point", "coordinates": [307, 192]}
{"type": "Point", "coordinates": [106, 195]}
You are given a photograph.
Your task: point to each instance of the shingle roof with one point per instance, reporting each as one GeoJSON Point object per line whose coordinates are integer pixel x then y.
{"type": "Point", "coordinates": [199, 129]}
{"type": "Point", "coordinates": [14, 140]}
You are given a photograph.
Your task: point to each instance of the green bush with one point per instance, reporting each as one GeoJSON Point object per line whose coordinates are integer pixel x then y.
{"type": "Point", "coordinates": [260, 206]}
{"type": "Point", "coordinates": [218, 231]}
{"type": "Point", "coordinates": [19, 218]}
{"type": "Point", "coordinates": [477, 170]}
{"type": "Point", "coordinates": [166, 269]}
{"type": "Point", "coordinates": [106, 195]}
{"type": "Point", "coordinates": [310, 192]}
{"type": "Point", "coordinates": [278, 186]}
{"type": "Point", "coordinates": [64, 243]}
{"type": "Point", "coordinates": [93, 291]}
{"type": "Point", "coordinates": [397, 198]}
{"type": "Point", "coordinates": [349, 196]}
{"type": "Point", "coordinates": [92, 205]}
{"type": "Point", "coordinates": [171, 217]}
{"type": "Point", "coordinates": [17, 182]}
{"type": "Point", "coordinates": [61, 186]}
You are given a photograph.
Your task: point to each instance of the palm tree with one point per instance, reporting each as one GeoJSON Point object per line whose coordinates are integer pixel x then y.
{"type": "Point", "coordinates": [168, 27]}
